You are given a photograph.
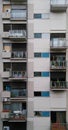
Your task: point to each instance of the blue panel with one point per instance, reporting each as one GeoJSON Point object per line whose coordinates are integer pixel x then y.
{"type": "Point", "coordinates": [37, 16]}
{"type": "Point", "coordinates": [45, 94]}
{"type": "Point", "coordinates": [45, 74]}
{"type": "Point", "coordinates": [45, 114]}
{"type": "Point", "coordinates": [37, 35]}
{"type": "Point", "coordinates": [45, 55]}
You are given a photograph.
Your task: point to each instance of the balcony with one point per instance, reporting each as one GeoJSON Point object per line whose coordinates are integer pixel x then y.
{"type": "Point", "coordinates": [18, 55]}
{"type": "Point", "coordinates": [58, 85]}
{"type": "Point", "coordinates": [58, 5]}
{"type": "Point", "coordinates": [58, 44]}
{"type": "Point", "coordinates": [18, 115]}
{"type": "Point", "coordinates": [17, 34]}
{"type": "Point", "coordinates": [6, 54]}
{"type": "Point", "coordinates": [18, 75]}
{"type": "Point", "coordinates": [18, 94]}
{"type": "Point", "coordinates": [18, 15]}
{"type": "Point", "coordinates": [58, 65]}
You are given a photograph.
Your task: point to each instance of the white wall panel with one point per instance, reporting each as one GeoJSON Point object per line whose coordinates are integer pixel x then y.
{"type": "Point", "coordinates": [58, 100]}
{"type": "Point", "coordinates": [41, 104]}
{"type": "Point", "coordinates": [42, 45]}
{"type": "Point", "coordinates": [42, 124]}
{"type": "Point", "coordinates": [42, 84]}
{"type": "Point", "coordinates": [56, 20]}
{"type": "Point", "coordinates": [40, 5]}
{"type": "Point", "coordinates": [41, 26]}
{"type": "Point", "coordinates": [41, 64]}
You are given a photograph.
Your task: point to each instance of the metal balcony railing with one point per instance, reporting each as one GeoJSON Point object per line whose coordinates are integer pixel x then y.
{"type": "Point", "coordinates": [58, 42]}
{"type": "Point", "coordinates": [59, 2]}
{"type": "Point", "coordinates": [17, 33]}
{"type": "Point", "coordinates": [59, 85]}
{"type": "Point", "coordinates": [19, 14]}
{"type": "Point", "coordinates": [18, 74]}
{"type": "Point", "coordinates": [18, 54]}
{"type": "Point", "coordinates": [18, 115]}
{"type": "Point", "coordinates": [58, 64]}
{"type": "Point", "coordinates": [18, 93]}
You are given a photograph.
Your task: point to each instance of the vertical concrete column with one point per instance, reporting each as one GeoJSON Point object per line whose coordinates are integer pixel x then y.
{"type": "Point", "coordinates": [1, 64]}
{"type": "Point", "coordinates": [67, 64]}
{"type": "Point", "coordinates": [30, 49]}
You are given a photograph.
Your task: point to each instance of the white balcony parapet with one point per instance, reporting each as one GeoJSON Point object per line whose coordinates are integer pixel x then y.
{"type": "Point", "coordinates": [4, 115]}
{"type": "Point", "coordinates": [59, 5]}
{"type": "Point", "coordinates": [6, 54]}
{"type": "Point", "coordinates": [5, 94]}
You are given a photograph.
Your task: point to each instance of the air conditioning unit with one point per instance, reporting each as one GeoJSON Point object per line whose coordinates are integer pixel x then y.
{"type": "Point", "coordinates": [6, 128]}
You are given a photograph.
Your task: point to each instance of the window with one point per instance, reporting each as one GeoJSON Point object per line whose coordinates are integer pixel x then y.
{"type": "Point", "coordinates": [37, 74]}
{"type": "Point", "coordinates": [42, 113]}
{"type": "Point", "coordinates": [45, 94]}
{"type": "Point", "coordinates": [42, 35]}
{"type": "Point", "coordinates": [42, 94]}
{"type": "Point", "coordinates": [37, 35]}
{"type": "Point", "coordinates": [46, 35]}
{"type": "Point", "coordinates": [41, 74]}
{"type": "Point", "coordinates": [45, 16]}
{"type": "Point", "coordinates": [45, 74]}
{"type": "Point", "coordinates": [45, 55]}
{"type": "Point", "coordinates": [37, 16]}
{"type": "Point", "coordinates": [41, 15]}
{"type": "Point", "coordinates": [37, 93]}
{"type": "Point", "coordinates": [37, 54]}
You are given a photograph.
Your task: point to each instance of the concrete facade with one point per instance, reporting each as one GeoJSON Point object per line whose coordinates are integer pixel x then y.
{"type": "Point", "coordinates": [34, 64]}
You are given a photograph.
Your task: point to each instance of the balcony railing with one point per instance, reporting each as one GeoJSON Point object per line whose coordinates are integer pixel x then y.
{"type": "Point", "coordinates": [18, 93]}
{"type": "Point", "coordinates": [18, 74]}
{"type": "Point", "coordinates": [58, 64]}
{"type": "Point", "coordinates": [19, 15]}
{"type": "Point", "coordinates": [59, 85]}
{"type": "Point", "coordinates": [17, 33]}
{"type": "Point", "coordinates": [18, 54]}
{"type": "Point", "coordinates": [58, 43]}
{"type": "Point", "coordinates": [18, 115]}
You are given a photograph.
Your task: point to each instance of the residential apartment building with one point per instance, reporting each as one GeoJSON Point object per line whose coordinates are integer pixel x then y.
{"type": "Point", "coordinates": [33, 64]}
